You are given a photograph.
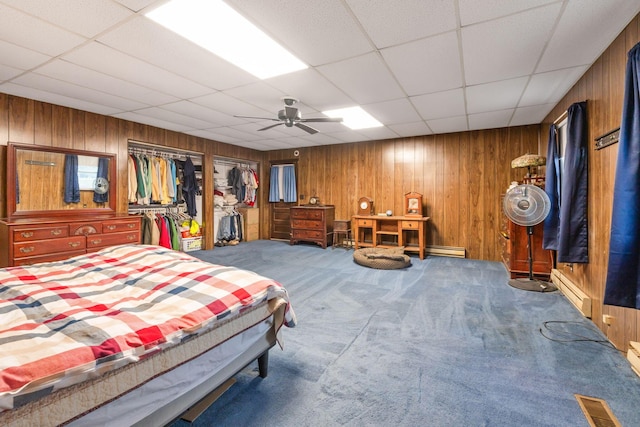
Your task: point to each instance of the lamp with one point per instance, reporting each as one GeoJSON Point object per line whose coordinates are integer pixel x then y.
{"type": "Point", "coordinates": [528, 161]}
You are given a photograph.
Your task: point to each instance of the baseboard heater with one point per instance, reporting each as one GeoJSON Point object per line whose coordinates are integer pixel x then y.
{"type": "Point", "coordinates": [633, 356]}
{"type": "Point", "coordinates": [573, 293]}
{"type": "Point", "coordinates": [450, 251]}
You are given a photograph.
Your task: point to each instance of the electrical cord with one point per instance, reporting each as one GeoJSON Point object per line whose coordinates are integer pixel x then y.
{"type": "Point", "coordinates": [570, 336]}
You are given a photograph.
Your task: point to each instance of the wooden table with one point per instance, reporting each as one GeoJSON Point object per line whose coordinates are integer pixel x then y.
{"type": "Point", "coordinates": [379, 231]}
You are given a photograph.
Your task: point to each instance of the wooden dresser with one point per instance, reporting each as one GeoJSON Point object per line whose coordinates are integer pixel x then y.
{"type": "Point", "coordinates": [28, 241]}
{"type": "Point", "coordinates": [378, 231]}
{"type": "Point", "coordinates": [515, 253]}
{"type": "Point", "coordinates": [312, 224]}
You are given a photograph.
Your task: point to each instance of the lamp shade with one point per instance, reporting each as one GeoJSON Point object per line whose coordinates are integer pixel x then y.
{"type": "Point", "coordinates": [528, 160]}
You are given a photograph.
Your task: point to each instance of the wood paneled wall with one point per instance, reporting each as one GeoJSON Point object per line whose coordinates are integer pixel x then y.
{"type": "Point", "coordinates": [33, 122]}
{"type": "Point", "coordinates": [461, 177]}
{"type": "Point", "coordinates": [602, 87]}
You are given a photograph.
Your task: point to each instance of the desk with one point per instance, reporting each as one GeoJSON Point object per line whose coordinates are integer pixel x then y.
{"type": "Point", "coordinates": [389, 231]}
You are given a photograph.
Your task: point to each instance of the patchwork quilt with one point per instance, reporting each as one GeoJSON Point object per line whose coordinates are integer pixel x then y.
{"type": "Point", "coordinates": [64, 322]}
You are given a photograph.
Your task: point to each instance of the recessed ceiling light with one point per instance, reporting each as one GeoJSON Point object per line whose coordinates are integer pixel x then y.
{"type": "Point", "coordinates": [217, 27]}
{"type": "Point", "coordinates": [354, 118]}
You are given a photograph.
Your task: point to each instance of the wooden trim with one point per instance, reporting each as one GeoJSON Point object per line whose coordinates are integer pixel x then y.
{"type": "Point", "coordinates": [574, 294]}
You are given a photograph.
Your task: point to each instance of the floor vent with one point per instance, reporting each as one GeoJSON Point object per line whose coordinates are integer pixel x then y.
{"type": "Point", "coordinates": [450, 251]}
{"type": "Point", "coordinates": [633, 356]}
{"type": "Point", "coordinates": [572, 292]}
{"type": "Point", "coordinates": [597, 412]}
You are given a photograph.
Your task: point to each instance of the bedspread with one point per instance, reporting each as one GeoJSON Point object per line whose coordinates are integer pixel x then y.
{"type": "Point", "coordinates": [67, 321]}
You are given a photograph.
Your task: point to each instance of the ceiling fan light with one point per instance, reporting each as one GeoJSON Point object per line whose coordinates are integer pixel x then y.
{"type": "Point", "coordinates": [217, 27]}
{"type": "Point", "coordinates": [354, 118]}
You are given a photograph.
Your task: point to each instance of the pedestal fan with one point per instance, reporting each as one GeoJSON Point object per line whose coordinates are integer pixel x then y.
{"type": "Point", "coordinates": [527, 205]}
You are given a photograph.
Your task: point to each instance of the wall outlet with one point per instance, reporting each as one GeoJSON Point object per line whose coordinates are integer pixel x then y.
{"type": "Point", "coordinates": [608, 319]}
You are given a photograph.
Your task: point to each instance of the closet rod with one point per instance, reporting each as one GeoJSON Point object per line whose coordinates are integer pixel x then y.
{"type": "Point", "coordinates": [177, 151]}
{"type": "Point", "coordinates": [233, 162]}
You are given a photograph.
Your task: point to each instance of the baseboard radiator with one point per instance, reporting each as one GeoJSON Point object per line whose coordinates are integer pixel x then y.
{"type": "Point", "coordinates": [633, 356]}
{"type": "Point", "coordinates": [450, 251]}
{"type": "Point", "coordinates": [573, 293]}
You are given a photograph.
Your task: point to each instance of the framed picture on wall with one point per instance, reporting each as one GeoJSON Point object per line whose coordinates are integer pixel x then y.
{"type": "Point", "coordinates": [413, 204]}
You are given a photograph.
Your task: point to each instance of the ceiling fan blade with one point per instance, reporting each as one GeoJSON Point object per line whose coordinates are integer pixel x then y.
{"type": "Point", "coordinates": [306, 128]}
{"type": "Point", "coordinates": [259, 118]}
{"type": "Point", "coordinates": [323, 119]}
{"type": "Point", "coordinates": [272, 126]}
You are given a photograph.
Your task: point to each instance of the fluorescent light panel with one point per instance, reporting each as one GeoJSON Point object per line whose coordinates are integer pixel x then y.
{"type": "Point", "coordinates": [218, 28]}
{"type": "Point", "coordinates": [354, 118]}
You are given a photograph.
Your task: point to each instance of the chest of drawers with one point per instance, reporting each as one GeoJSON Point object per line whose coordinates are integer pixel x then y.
{"type": "Point", "coordinates": [312, 224]}
{"type": "Point", "coordinates": [29, 241]}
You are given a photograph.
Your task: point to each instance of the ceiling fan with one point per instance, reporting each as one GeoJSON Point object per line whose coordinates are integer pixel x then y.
{"type": "Point", "coordinates": [290, 116]}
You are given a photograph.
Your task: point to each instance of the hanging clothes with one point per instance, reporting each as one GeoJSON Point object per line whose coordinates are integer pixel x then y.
{"type": "Point", "coordinates": [623, 273]}
{"type": "Point", "coordinates": [190, 186]}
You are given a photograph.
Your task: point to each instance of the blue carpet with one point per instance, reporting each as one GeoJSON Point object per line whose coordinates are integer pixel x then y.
{"type": "Point", "coordinates": [445, 342]}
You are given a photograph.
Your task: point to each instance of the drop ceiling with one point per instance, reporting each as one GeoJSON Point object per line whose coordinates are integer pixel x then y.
{"type": "Point", "coordinates": [420, 67]}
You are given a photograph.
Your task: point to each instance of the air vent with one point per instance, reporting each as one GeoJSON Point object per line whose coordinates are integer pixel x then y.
{"type": "Point", "coordinates": [597, 412]}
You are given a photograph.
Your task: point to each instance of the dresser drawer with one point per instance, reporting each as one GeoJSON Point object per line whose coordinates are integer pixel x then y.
{"type": "Point", "coordinates": [410, 225]}
{"type": "Point", "coordinates": [40, 233]}
{"type": "Point", "coordinates": [41, 247]}
{"type": "Point", "coordinates": [48, 258]}
{"type": "Point", "coordinates": [85, 229]}
{"type": "Point", "coordinates": [120, 226]}
{"type": "Point", "coordinates": [305, 223]}
{"type": "Point", "coordinates": [306, 213]}
{"type": "Point", "coordinates": [111, 239]}
{"type": "Point", "coordinates": [308, 234]}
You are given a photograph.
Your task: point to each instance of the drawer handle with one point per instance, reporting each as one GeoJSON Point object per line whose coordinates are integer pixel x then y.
{"type": "Point", "coordinates": [131, 225]}
{"type": "Point", "coordinates": [132, 237]}
{"type": "Point", "coordinates": [504, 235]}
{"type": "Point", "coordinates": [56, 232]}
{"type": "Point", "coordinates": [74, 244]}
{"type": "Point", "coordinates": [27, 249]}
{"type": "Point", "coordinates": [96, 241]}
{"type": "Point", "coordinates": [111, 227]}
{"type": "Point", "coordinates": [27, 234]}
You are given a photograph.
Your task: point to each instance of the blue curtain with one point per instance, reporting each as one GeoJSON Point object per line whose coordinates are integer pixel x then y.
{"type": "Point", "coordinates": [623, 274]}
{"type": "Point", "coordinates": [103, 172]}
{"type": "Point", "coordinates": [573, 242]}
{"type": "Point", "coordinates": [274, 188]}
{"type": "Point", "coordinates": [289, 184]}
{"type": "Point", "coordinates": [71, 182]}
{"type": "Point", "coordinates": [552, 188]}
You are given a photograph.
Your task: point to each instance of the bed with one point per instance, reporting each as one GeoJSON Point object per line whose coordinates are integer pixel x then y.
{"type": "Point", "coordinates": [129, 335]}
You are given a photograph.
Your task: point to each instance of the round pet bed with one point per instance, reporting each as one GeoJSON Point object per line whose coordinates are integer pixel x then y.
{"type": "Point", "coordinates": [382, 259]}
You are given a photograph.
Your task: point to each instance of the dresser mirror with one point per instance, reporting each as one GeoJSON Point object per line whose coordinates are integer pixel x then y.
{"type": "Point", "coordinates": [49, 181]}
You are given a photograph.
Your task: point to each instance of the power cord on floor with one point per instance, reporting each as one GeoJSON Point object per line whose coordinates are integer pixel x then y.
{"type": "Point", "coordinates": [573, 337]}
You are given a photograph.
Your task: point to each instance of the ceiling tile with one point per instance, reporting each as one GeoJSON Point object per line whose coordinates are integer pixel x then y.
{"type": "Point", "coordinates": [169, 51]}
{"type": "Point", "coordinates": [508, 47]}
{"type": "Point", "coordinates": [191, 109]}
{"type": "Point", "coordinates": [585, 30]}
{"type": "Point", "coordinates": [530, 115]}
{"type": "Point", "coordinates": [413, 19]}
{"type": "Point", "coordinates": [171, 116]}
{"type": "Point", "coordinates": [7, 73]}
{"type": "Point", "coordinates": [440, 105]}
{"type": "Point", "coordinates": [474, 11]}
{"type": "Point", "coordinates": [490, 120]}
{"type": "Point", "coordinates": [495, 96]}
{"type": "Point", "coordinates": [435, 64]}
{"type": "Point", "coordinates": [448, 125]}
{"type": "Point", "coordinates": [317, 32]}
{"type": "Point", "coordinates": [550, 87]}
{"type": "Point", "coordinates": [71, 73]}
{"type": "Point", "coordinates": [87, 18]}
{"type": "Point", "coordinates": [364, 78]}
{"type": "Point", "coordinates": [19, 57]}
{"type": "Point", "coordinates": [42, 37]}
{"type": "Point", "coordinates": [99, 57]}
{"type": "Point", "coordinates": [411, 129]}
{"type": "Point", "coordinates": [390, 112]}
{"type": "Point", "coordinates": [136, 5]}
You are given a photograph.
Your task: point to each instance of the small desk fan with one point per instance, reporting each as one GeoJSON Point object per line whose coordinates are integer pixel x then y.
{"type": "Point", "coordinates": [527, 205]}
